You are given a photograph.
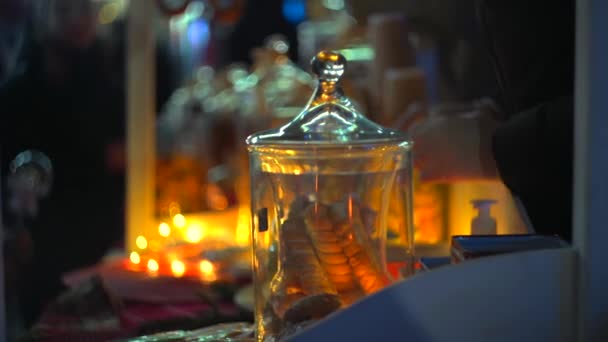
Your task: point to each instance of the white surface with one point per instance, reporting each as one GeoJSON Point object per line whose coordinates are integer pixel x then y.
{"type": "Point", "coordinates": [591, 168]}
{"type": "Point", "coordinates": [516, 297]}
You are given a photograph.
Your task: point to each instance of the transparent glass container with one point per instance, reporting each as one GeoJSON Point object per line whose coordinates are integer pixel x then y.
{"type": "Point", "coordinates": [327, 188]}
{"type": "Point", "coordinates": [272, 95]}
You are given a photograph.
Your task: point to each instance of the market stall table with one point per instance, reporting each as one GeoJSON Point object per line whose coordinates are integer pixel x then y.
{"type": "Point", "coordinates": [109, 301]}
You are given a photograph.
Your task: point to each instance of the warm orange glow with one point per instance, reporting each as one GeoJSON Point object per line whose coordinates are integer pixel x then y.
{"type": "Point", "coordinates": [216, 198]}
{"type": "Point", "coordinates": [243, 226]}
{"type": "Point", "coordinates": [219, 226]}
{"type": "Point", "coordinates": [154, 245]}
{"type": "Point", "coordinates": [174, 209]}
{"type": "Point", "coordinates": [444, 209]}
{"type": "Point", "coordinates": [152, 265]}
{"type": "Point", "coordinates": [266, 236]}
{"type": "Point", "coordinates": [219, 202]}
{"type": "Point", "coordinates": [179, 221]}
{"type": "Point", "coordinates": [230, 227]}
{"type": "Point", "coordinates": [135, 258]}
{"type": "Point", "coordinates": [194, 233]}
{"type": "Point", "coordinates": [141, 242]}
{"type": "Point", "coordinates": [207, 271]}
{"type": "Point", "coordinates": [164, 229]}
{"type": "Point", "coordinates": [206, 266]}
{"type": "Point", "coordinates": [178, 268]}
{"type": "Point", "coordinates": [461, 212]}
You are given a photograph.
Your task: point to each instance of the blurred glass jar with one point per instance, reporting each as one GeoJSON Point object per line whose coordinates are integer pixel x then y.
{"type": "Point", "coordinates": [328, 21]}
{"type": "Point", "coordinates": [280, 88]}
{"type": "Point", "coordinates": [453, 167]}
{"type": "Point", "coordinates": [322, 186]}
{"type": "Point", "coordinates": [196, 144]}
{"type": "Point", "coordinates": [274, 93]}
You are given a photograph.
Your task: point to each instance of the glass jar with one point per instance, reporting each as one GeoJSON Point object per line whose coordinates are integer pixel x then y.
{"type": "Point", "coordinates": [196, 183]}
{"type": "Point", "coordinates": [323, 186]}
{"type": "Point", "coordinates": [272, 95]}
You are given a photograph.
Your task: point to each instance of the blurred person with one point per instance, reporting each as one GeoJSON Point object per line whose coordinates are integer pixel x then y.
{"type": "Point", "coordinates": [65, 105]}
{"type": "Point", "coordinates": [532, 48]}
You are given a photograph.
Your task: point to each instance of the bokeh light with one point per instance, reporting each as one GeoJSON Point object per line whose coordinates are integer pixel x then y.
{"type": "Point", "coordinates": [135, 258]}
{"type": "Point", "coordinates": [141, 242]}
{"type": "Point", "coordinates": [178, 268]}
{"type": "Point", "coordinates": [164, 229]}
{"type": "Point", "coordinates": [179, 221]}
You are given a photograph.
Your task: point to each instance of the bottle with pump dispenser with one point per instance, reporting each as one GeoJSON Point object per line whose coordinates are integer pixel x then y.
{"type": "Point", "coordinates": [483, 223]}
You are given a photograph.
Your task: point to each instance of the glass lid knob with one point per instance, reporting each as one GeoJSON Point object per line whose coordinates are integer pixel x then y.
{"type": "Point", "coordinates": [329, 117]}
{"type": "Point", "coordinates": [329, 66]}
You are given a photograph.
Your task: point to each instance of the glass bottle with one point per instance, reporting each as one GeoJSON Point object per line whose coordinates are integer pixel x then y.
{"type": "Point", "coordinates": [323, 186]}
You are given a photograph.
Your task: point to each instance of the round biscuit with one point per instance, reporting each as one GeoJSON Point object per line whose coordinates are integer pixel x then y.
{"type": "Point", "coordinates": [338, 269]}
{"type": "Point", "coordinates": [328, 247]}
{"type": "Point", "coordinates": [341, 278]}
{"type": "Point", "coordinates": [352, 249]}
{"type": "Point", "coordinates": [325, 236]}
{"type": "Point", "coordinates": [333, 258]}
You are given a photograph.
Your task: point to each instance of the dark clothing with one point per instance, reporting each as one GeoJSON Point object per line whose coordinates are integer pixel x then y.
{"type": "Point", "coordinates": [534, 152]}
{"type": "Point", "coordinates": [71, 113]}
{"type": "Point", "coordinates": [532, 46]}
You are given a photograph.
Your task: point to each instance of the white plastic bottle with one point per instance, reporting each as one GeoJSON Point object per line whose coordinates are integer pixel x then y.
{"type": "Point", "coordinates": [483, 223]}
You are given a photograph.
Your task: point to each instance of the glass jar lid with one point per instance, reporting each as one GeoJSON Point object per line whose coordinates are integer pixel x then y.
{"type": "Point", "coordinates": [329, 118]}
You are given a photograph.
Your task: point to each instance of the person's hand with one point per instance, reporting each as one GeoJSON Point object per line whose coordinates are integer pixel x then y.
{"type": "Point", "coordinates": [455, 146]}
